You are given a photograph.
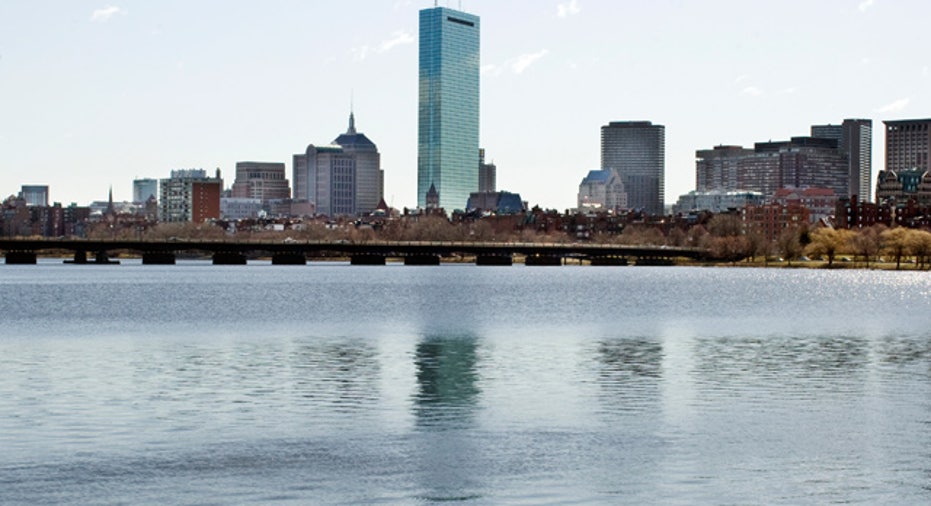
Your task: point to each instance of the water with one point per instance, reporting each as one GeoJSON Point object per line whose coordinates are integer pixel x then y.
{"type": "Point", "coordinates": [337, 384]}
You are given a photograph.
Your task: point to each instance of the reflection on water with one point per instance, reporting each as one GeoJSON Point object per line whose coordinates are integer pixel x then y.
{"type": "Point", "coordinates": [723, 360]}
{"type": "Point", "coordinates": [524, 388]}
{"type": "Point", "coordinates": [628, 372]}
{"type": "Point", "coordinates": [447, 381]}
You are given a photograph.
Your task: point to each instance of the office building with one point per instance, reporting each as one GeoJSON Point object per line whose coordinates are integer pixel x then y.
{"type": "Point", "coordinates": [343, 178]}
{"type": "Point", "coordinates": [602, 189]}
{"type": "Point", "coordinates": [487, 174]}
{"type": "Point", "coordinates": [637, 151]}
{"type": "Point", "coordinates": [35, 195]}
{"type": "Point", "coordinates": [907, 145]}
{"type": "Point", "coordinates": [260, 180]}
{"type": "Point", "coordinates": [143, 189]}
{"type": "Point", "coordinates": [448, 109]}
{"type": "Point", "coordinates": [189, 196]}
{"type": "Point", "coordinates": [854, 139]}
{"type": "Point", "coordinates": [835, 157]}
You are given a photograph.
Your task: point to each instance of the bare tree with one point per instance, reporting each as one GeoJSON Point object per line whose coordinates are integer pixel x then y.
{"type": "Point", "coordinates": [919, 243]}
{"type": "Point", "coordinates": [829, 242]}
{"type": "Point", "coordinates": [789, 244]}
{"type": "Point", "coordinates": [868, 242]}
{"type": "Point", "coordinates": [895, 241]}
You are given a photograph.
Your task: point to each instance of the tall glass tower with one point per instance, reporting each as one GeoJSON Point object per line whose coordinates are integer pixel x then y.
{"type": "Point", "coordinates": [448, 113]}
{"type": "Point", "coordinates": [637, 150]}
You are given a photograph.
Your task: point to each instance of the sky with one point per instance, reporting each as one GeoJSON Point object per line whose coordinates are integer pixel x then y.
{"type": "Point", "coordinates": [94, 94]}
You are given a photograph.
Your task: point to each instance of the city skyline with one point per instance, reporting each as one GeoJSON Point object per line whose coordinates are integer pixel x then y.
{"type": "Point", "coordinates": [100, 94]}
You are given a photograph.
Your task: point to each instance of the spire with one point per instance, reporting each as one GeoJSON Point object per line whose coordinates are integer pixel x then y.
{"type": "Point", "coordinates": [352, 124]}
{"type": "Point", "coordinates": [110, 209]}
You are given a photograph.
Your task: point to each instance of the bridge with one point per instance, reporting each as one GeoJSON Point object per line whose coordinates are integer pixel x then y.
{"type": "Point", "coordinates": [293, 252]}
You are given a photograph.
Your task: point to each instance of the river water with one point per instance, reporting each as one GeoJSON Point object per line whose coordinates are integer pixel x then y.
{"type": "Point", "coordinates": [338, 384]}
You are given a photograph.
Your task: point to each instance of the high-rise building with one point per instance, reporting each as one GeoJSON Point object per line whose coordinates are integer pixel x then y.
{"type": "Point", "coordinates": [908, 143]}
{"type": "Point", "coordinates": [189, 196]}
{"type": "Point", "coordinates": [260, 180]}
{"type": "Point", "coordinates": [343, 178]}
{"type": "Point", "coordinates": [448, 110]}
{"type": "Point", "coordinates": [854, 139]}
{"type": "Point", "coordinates": [637, 150]}
{"type": "Point", "coordinates": [35, 195]}
{"type": "Point", "coordinates": [143, 189]}
{"type": "Point", "coordinates": [835, 157]}
{"type": "Point", "coordinates": [487, 174]}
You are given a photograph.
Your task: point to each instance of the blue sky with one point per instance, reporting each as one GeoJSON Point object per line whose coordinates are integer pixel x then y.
{"type": "Point", "coordinates": [97, 93]}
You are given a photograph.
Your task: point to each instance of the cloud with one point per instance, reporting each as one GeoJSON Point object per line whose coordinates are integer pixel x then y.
{"type": "Point", "coordinates": [896, 106]}
{"type": "Point", "coordinates": [398, 38]}
{"type": "Point", "coordinates": [926, 71]}
{"type": "Point", "coordinates": [865, 4]}
{"type": "Point", "coordinates": [789, 91]}
{"type": "Point", "coordinates": [570, 8]}
{"type": "Point", "coordinates": [524, 61]}
{"type": "Point", "coordinates": [752, 91]}
{"type": "Point", "coordinates": [104, 15]}
{"type": "Point", "coordinates": [741, 78]}
{"type": "Point", "coordinates": [360, 53]}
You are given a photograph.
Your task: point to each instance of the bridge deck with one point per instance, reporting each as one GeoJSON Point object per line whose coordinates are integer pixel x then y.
{"type": "Point", "coordinates": [320, 249]}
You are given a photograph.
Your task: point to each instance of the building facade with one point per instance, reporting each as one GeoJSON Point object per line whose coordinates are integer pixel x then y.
{"type": "Point", "coordinates": [189, 196]}
{"type": "Point", "coordinates": [803, 162]}
{"type": "Point", "coordinates": [904, 185]}
{"type": "Point", "coordinates": [343, 178]}
{"type": "Point", "coordinates": [143, 189]}
{"type": "Point", "coordinates": [835, 157]}
{"type": "Point", "coordinates": [35, 195]}
{"type": "Point", "coordinates": [448, 107]}
{"type": "Point", "coordinates": [260, 180]}
{"type": "Point", "coordinates": [637, 151]}
{"type": "Point", "coordinates": [716, 201]}
{"type": "Point", "coordinates": [907, 145]}
{"type": "Point", "coordinates": [854, 139]}
{"type": "Point", "coordinates": [487, 174]}
{"type": "Point", "coordinates": [602, 189]}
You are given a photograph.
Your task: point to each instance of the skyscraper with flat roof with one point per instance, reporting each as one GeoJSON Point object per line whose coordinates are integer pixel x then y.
{"type": "Point", "coordinates": [908, 144]}
{"type": "Point", "coordinates": [637, 150]}
{"type": "Point", "coordinates": [448, 111]}
{"type": "Point", "coordinates": [855, 142]}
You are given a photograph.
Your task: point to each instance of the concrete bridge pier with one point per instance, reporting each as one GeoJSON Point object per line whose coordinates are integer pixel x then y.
{"type": "Point", "coordinates": [228, 258]}
{"type": "Point", "coordinates": [289, 259]}
{"type": "Point", "coordinates": [102, 258]}
{"type": "Point", "coordinates": [20, 257]}
{"type": "Point", "coordinates": [80, 257]}
{"type": "Point", "coordinates": [542, 260]}
{"type": "Point", "coordinates": [367, 259]}
{"type": "Point", "coordinates": [502, 259]}
{"type": "Point", "coordinates": [422, 260]}
{"type": "Point", "coordinates": [158, 258]}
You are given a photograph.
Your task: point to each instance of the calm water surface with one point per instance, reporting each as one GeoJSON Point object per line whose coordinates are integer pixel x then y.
{"type": "Point", "coordinates": [337, 384]}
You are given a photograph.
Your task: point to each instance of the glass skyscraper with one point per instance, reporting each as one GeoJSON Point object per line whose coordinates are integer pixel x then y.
{"type": "Point", "coordinates": [448, 113]}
